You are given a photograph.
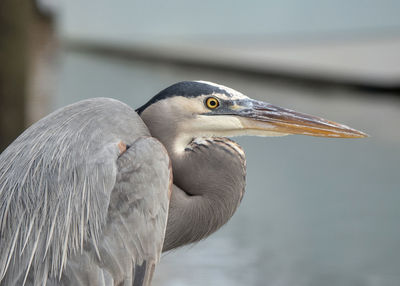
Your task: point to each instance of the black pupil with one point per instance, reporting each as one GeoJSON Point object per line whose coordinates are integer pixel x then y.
{"type": "Point", "coordinates": [213, 103]}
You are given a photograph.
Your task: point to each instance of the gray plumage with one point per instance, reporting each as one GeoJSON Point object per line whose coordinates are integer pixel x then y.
{"type": "Point", "coordinates": [66, 197]}
{"type": "Point", "coordinates": [208, 205]}
{"type": "Point", "coordinates": [93, 193]}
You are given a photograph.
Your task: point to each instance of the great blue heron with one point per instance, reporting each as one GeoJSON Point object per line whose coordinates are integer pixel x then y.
{"type": "Point", "coordinates": [87, 195]}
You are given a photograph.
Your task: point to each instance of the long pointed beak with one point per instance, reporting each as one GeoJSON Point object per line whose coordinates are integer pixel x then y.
{"type": "Point", "coordinates": [259, 117]}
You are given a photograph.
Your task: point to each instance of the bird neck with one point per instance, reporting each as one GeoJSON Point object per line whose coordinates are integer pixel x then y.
{"type": "Point", "coordinates": [209, 181]}
{"type": "Point", "coordinates": [209, 178]}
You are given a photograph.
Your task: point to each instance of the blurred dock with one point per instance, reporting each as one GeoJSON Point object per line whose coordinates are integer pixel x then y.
{"type": "Point", "coordinates": [370, 63]}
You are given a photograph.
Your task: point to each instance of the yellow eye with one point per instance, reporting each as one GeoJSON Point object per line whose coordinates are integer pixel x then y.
{"type": "Point", "coordinates": [212, 103]}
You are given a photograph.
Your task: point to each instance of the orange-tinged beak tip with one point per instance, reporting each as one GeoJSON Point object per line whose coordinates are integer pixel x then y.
{"type": "Point", "coordinates": [263, 116]}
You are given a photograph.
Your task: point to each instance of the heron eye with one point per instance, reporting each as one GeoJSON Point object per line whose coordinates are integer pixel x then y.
{"type": "Point", "coordinates": [212, 102]}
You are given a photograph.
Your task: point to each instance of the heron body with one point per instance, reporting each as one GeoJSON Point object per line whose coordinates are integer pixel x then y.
{"type": "Point", "coordinates": [94, 192]}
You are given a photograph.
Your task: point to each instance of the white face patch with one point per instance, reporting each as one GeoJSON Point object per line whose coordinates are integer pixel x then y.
{"type": "Point", "coordinates": [206, 126]}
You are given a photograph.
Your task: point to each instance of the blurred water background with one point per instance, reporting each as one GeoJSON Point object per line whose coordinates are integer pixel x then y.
{"type": "Point", "coordinates": [316, 211]}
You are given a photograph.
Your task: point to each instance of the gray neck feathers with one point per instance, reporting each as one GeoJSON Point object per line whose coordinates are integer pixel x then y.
{"type": "Point", "coordinates": [209, 179]}
{"type": "Point", "coordinates": [209, 183]}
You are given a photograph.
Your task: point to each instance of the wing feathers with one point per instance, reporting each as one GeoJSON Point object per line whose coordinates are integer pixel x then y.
{"type": "Point", "coordinates": [137, 213]}
{"type": "Point", "coordinates": [56, 182]}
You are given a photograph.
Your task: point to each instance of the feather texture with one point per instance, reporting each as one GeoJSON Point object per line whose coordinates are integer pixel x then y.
{"type": "Point", "coordinates": [56, 183]}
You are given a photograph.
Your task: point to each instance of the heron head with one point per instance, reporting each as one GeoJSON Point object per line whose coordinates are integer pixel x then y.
{"type": "Point", "coordinates": [195, 109]}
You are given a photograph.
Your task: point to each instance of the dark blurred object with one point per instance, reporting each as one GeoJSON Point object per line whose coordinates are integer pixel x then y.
{"type": "Point", "coordinates": [42, 52]}
{"type": "Point", "coordinates": [22, 26]}
{"type": "Point", "coordinates": [14, 25]}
